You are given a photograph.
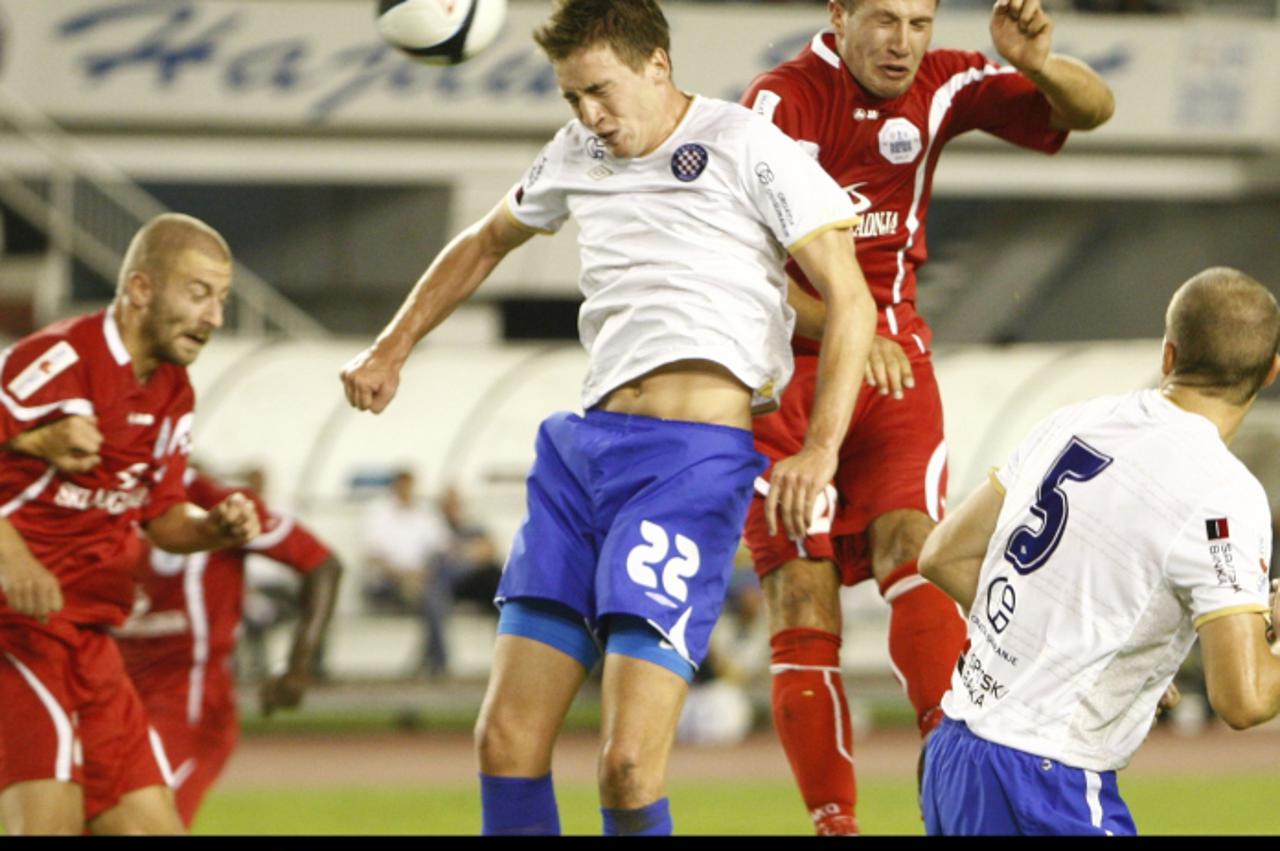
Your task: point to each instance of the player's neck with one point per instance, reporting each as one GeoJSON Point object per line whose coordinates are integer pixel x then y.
{"type": "Point", "coordinates": [1226, 416]}
{"type": "Point", "coordinates": [140, 358]}
{"type": "Point", "coordinates": [675, 109]}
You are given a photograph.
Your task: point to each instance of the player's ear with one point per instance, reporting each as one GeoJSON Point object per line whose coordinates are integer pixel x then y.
{"type": "Point", "coordinates": [835, 10]}
{"type": "Point", "coordinates": [660, 64]}
{"type": "Point", "coordinates": [139, 289]}
{"type": "Point", "coordinates": [1273, 372]}
{"type": "Point", "coordinates": [1168, 357]}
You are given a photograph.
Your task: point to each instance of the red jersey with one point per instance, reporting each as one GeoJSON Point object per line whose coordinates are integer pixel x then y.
{"type": "Point", "coordinates": [883, 153]}
{"type": "Point", "coordinates": [183, 632]}
{"type": "Point", "coordinates": [80, 527]}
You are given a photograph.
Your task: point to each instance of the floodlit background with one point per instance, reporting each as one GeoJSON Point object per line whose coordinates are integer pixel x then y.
{"type": "Point", "coordinates": [336, 169]}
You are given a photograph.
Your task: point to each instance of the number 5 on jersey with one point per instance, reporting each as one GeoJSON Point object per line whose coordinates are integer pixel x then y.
{"type": "Point", "coordinates": [1028, 549]}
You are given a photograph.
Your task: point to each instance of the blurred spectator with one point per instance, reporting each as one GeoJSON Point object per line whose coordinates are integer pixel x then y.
{"type": "Point", "coordinates": [405, 540]}
{"type": "Point", "coordinates": [471, 564]}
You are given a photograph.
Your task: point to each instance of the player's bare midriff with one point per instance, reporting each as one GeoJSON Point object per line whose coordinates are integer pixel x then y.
{"type": "Point", "coordinates": [692, 390]}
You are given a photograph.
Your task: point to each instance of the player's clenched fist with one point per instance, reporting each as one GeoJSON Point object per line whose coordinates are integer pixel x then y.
{"type": "Point", "coordinates": [236, 518]}
{"type": "Point", "coordinates": [29, 588]}
{"type": "Point", "coordinates": [1022, 33]}
{"type": "Point", "coordinates": [370, 380]}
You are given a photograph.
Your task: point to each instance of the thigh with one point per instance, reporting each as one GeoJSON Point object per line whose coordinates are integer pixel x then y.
{"type": "Point", "coordinates": [42, 808]}
{"type": "Point", "coordinates": [148, 811]}
{"type": "Point", "coordinates": [553, 555]}
{"type": "Point", "coordinates": [640, 705]}
{"type": "Point", "coordinates": [531, 686]}
{"type": "Point", "coordinates": [676, 528]}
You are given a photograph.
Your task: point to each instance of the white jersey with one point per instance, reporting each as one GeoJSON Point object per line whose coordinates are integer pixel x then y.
{"type": "Point", "coordinates": [1126, 525]}
{"type": "Point", "coordinates": [682, 249]}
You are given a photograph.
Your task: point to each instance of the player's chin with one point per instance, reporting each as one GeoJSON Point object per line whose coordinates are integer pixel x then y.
{"type": "Point", "coordinates": [182, 351]}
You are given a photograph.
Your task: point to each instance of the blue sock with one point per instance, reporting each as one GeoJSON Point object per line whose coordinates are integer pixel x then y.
{"type": "Point", "coordinates": [519, 806]}
{"type": "Point", "coordinates": [653, 820]}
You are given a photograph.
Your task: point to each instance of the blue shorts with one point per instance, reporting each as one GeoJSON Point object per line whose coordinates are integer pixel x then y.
{"type": "Point", "coordinates": [975, 787]}
{"type": "Point", "coordinates": [631, 515]}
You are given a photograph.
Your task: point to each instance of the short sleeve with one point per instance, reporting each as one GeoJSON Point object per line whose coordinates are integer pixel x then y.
{"type": "Point", "coordinates": [538, 202]}
{"type": "Point", "coordinates": [287, 541]}
{"type": "Point", "coordinates": [1005, 104]}
{"type": "Point", "coordinates": [42, 379]}
{"type": "Point", "coordinates": [788, 105]}
{"type": "Point", "coordinates": [794, 197]}
{"type": "Point", "coordinates": [1218, 561]}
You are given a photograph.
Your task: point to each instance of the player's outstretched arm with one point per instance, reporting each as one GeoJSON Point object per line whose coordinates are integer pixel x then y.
{"type": "Point", "coordinates": [28, 586]}
{"type": "Point", "coordinates": [186, 528]}
{"type": "Point", "coordinates": [953, 553]}
{"type": "Point", "coordinates": [829, 262]}
{"type": "Point", "coordinates": [317, 595]}
{"type": "Point", "coordinates": [72, 444]}
{"type": "Point", "coordinates": [371, 378]}
{"type": "Point", "coordinates": [1023, 34]}
{"type": "Point", "coordinates": [1241, 675]}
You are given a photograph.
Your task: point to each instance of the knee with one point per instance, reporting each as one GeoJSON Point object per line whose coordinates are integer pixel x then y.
{"type": "Point", "coordinates": [898, 538]}
{"type": "Point", "coordinates": [803, 595]}
{"type": "Point", "coordinates": [625, 781]}
{"type": "Point", "coordinates": [505, 747]}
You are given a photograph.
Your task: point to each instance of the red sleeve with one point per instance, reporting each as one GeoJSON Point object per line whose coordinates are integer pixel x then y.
{"type": "Point", "coordinates": [786, 100]}
{"type": "Point", "coordinates": [42, 378]}
{"type": "Point", "coordinates": [1007, 105]}
{"type": "Point", "coordinates": [287, 541]}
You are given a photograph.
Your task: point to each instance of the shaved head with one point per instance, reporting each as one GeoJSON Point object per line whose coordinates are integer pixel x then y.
{"type": "Point", "coordinates": [162, 240]}
{"type": "Point", "coordinates": [1225, 329]}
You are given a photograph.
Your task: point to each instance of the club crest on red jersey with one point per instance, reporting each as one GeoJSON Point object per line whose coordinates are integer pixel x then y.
{"type": "Point", "coordinates": [900, 141]}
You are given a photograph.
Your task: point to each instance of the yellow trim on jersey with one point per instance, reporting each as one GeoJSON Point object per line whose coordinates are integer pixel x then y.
{"type": "Point", "coordinates": [1232, 610]}
{"type": "Point", "coordinates": [814, 234]}
{"type": "Point", "coordinates": [506, 208]}
{"type": "Point", "coordinates": [995, 480]}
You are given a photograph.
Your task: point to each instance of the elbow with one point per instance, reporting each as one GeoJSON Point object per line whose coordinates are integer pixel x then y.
{"type": "Point", "coordinates": [1240, 713]}
{"type": "Point", "coordinates": [1101, 114]}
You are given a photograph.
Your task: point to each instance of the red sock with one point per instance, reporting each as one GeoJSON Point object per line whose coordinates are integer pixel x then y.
{"type": "Point", "coordinates": [926, 634]}
{"type": "Point", "coordinates": [812, 719]}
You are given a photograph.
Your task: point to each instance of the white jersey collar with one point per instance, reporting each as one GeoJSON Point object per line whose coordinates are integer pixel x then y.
{"type": "Point", "coordinates": [111, 330]}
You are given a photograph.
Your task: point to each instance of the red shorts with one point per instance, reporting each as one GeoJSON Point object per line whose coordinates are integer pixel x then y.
{"type": "Point", "coordinates": [198, 749]}
{"type": "Point", "coordinates": [70, 713]}
{"type": "Point", "coordinates": [893, 457]}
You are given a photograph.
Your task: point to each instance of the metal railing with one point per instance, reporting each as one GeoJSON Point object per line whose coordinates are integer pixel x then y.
{"type": "Point", "coordinates": [89, 209]}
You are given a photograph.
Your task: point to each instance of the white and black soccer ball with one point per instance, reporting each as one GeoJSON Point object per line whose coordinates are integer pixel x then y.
{"type": "Point", "coordinates": [441, 32]}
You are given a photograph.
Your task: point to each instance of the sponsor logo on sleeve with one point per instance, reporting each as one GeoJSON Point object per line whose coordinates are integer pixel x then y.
{"type": "Point", "coordinates": [900, 141]}
{"type": "Point", "coordinates": [764, 174]}
{"type": "Point", "coordinates": [689, 161]}
{"type": "Point", "coordinates": [43, 370]}
{"type": "Point", "coordinates": [1224, 566]}
{"type": "Point", "coordinates": [766, 103]}
{"type": "Point", "coordinates": [1216, 528]}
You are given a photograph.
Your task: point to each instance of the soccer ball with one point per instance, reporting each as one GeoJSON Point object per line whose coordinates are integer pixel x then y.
{"type": "Point", "coordinates": [441, 32]}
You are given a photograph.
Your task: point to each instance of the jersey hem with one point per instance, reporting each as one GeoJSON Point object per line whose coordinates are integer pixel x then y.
{"type": "Point", "coordinates": [515, 220]}
{"type": "Point", "coordinates": [1253, 608]}
{"type": "Point", "coordinates": [819, 231]}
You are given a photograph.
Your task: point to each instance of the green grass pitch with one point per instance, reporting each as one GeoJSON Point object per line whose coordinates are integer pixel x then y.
{"type": "Point", "coordinates": [1234, 804]}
